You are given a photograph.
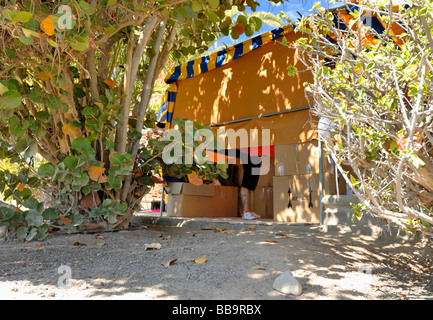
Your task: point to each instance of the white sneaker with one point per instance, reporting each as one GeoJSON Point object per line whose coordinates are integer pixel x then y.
{"type": "Point", "coordinates": [249, 216]}
{"type": "Point", "coordinates": [257, 216]}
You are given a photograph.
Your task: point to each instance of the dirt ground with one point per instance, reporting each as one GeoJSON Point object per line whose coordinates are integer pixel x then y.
{"type": "Point", "coordinates": [241, 263]}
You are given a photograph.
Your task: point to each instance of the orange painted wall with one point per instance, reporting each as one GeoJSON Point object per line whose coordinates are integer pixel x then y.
{"type": "Point", "coordinates": [254, 84]}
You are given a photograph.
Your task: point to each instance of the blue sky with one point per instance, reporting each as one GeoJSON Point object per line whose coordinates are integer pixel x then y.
{"type": "Point", "coordinates": [290, 8]}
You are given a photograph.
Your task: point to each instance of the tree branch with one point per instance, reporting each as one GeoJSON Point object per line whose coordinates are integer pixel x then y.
{"type": "Point", "coordinates": [144, 100]}
{"type": "Point", "coordinates": [131, 68]}
{"type": "Point", "coordinates": [93, 74]}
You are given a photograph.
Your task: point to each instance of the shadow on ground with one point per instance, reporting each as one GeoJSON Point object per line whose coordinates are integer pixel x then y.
{"type": "Point", "coordinates": [242, 263]}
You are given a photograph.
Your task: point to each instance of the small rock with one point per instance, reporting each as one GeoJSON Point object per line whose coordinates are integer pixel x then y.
{"type": "Point", "coordinates": [288, 284]}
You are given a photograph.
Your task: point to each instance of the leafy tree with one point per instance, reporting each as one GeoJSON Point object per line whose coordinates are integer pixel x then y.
{"type": "Point", "coordinates": [373, 81]}
{"type": "Point", "coordinates": [75, 83]}
{"type": "Point", "coordinates": [254, 22]}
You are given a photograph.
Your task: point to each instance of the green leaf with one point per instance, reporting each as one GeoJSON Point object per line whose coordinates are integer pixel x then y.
{"type": "Point", "coordinates": [257, 23]}
{"type": "Point", "coordinates": [234, 34]}
{"type": "Point", "coordinates": [11, 99]}
{"type": "Point", "coordinates": [95, 186]}
{"type": "Point", "coordinates": [34, 219]}
{"type": "Point", "coordinates": [46, 170]}
{"type": "Point", "coordinates": [108, 203]}
{"type": "Point", "coordinates": [354, 181]}
{"type": "Point", "coordinates": [196, 6]}
{"type": "Point", "coordinates": [82, 145]}
{"type": "Point", "coordinates": [413, 92]}
{"type": "Point", "coordinates": [249, 30]}
{"type": "Point", "coordinates": [81, 181]}
{"type": "Point", "coordinates": [22, 232]}
{"type": "Point", "coordinates": [222, 166]}
{"type": "Point", "coordinates": [116, 158]}
{"type": "Point", "coordinates": [85, 190]}
{"type": "Point", "coordinates": [6, 213]}
{"type": "Point", "coordinates": [242, 19]}
{"type": "Point", "coordinates": [180, 13]}
{"type": "Point", "coordinates": [91, 111]}
{"type": "Point", "coordinates": [110, 30]}
{"type": "Point", "coordinates": [80, 46]}
{"type": "Point", "coordinates": [33, 232]}
{"type": "Point", "coordinates": [27, 32]}
{"type": "Point", "coordinates": [212, 17]}
{"type": "Point", "coordinates": [224, 175]}
{"type": "Point", "coordinates": [114, 181]}
{"type": "Point", "coordinates": [36, 95]}
{"type": "Point", "coordinates": [76, 219]}
{"type": "Point", "coordinates": [10, 53]}
{"type": "Point", "coordinates": [11, 84]}
{"type": "Point", "coordinates": [291, 70]}
{"type": "Point", "coordinates": [31, 203]}
{"type": "Point", "coordinates": [53, 101]}
{"type": "Point", "coordinates": [94, 125]}
{"type": "Point", "coordinates": [123, 207]}
{"type": "Point", "coordinates": [26, 40]}
{"type": "Point", "coordinates": [71, 162]}
{"type": "Point", "coordinates": [43, 116]}
{"type": "Point", "coordinates": [9, 14]}
{"type": "Point", "coordinates": [111, 218]}
{"type": "Point", "coordinates": [41, 235]}
{"type": "Point", "coordinates": [15, 127]}
{"type": "Point", "coordinates": [50, 214]}
{"type": "Point", "coordinates": [191, 50]}
{"type": "Point", "coordinates": [22, 16]}
{"type": "Point", "coordinates": [114, 106]}
{"type": "Point", "coordinates": [87, 7]}
{"type": "Point", "coordinates": [214, 3]}
{"type": "Point", "coordinates": [26, 193]}
{"type": "Point", "coordinates": [52, 43]}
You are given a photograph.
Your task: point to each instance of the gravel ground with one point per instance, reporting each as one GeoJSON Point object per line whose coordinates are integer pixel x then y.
{"type": "Point", "coordinates": [241, 263]}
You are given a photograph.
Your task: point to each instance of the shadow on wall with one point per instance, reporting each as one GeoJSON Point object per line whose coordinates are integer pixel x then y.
{"type": "Point", "coordinates": [254, 84]}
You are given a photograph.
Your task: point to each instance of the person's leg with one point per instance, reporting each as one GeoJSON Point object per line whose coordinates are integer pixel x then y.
{"type": "Point", "coordinates": [249, 183]}
{"type": "Point", "coordinates": [246, 199]}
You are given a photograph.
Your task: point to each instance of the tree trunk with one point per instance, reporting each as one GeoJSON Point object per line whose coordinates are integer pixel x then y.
{"type": "Point", "coordinates": [134, 57]}
{"type": "Point", "coordinates": [142, 106]}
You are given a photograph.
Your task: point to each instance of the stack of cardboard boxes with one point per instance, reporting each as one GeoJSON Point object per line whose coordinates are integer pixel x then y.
{"type": "Point", "coordinates": [296, 184]}
{"type": "Point", "coordinates": [287, 191]}
{"type": "Point", "coordinates": [207, 200]}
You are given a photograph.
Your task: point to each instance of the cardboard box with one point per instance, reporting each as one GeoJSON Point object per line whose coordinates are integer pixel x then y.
{"type": "Point", "coordinates": [188, 200]}
{"type": "Point", "coordinates": [302, 203]}
{"type": "Point", "coordinates": [267, 172]}
{"type": "Point", "coordinates": [302, 158]}
{"type": "Point", "coordinates": [264, 201]}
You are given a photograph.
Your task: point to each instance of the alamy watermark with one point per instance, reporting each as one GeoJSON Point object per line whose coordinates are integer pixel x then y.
{"type": "Point", "coordinates": [65, 21]}
{"type": "Point", "coordinates": [364, 279]}
{"type": "Point", "coordinates": [182, 150]}
{"type": "Point", "coordinates": [65, 280]}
